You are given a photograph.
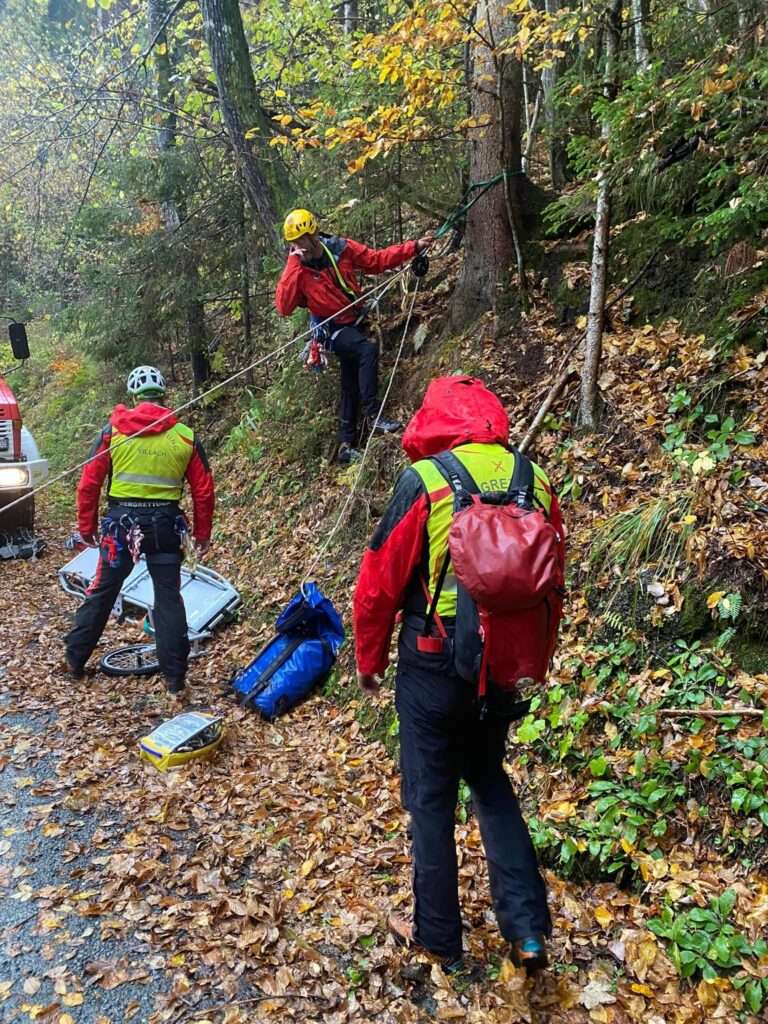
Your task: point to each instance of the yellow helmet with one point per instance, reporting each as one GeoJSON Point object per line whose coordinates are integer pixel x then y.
{"type": "Point", "coordinates": [298, 223]}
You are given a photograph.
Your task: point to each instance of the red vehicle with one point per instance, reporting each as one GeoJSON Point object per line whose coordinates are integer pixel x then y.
{"type": "Point", "coordinates": [21, 468]}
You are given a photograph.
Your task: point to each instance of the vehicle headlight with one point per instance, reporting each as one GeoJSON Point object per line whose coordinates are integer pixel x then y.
{"type": "Point", "coordinates": [13, 476]}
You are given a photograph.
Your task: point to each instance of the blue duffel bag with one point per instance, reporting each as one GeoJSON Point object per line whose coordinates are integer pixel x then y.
{"type": "Point", "coordinates": [300, 656]}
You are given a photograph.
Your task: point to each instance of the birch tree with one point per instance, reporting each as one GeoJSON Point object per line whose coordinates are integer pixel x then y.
{"type": "Point", "coordinates": [589, 405]}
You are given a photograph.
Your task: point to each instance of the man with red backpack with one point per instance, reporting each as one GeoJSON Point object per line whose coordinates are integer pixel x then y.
{"type": "Point", "coordinates": [470, 550]}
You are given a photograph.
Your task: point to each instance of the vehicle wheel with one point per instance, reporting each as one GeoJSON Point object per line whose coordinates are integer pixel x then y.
{"type": "Point", "coordinates": [134, 660]}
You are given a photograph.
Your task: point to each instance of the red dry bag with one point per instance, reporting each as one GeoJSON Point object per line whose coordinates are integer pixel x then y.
{"type": "Point", "coordinates": [506, 558]}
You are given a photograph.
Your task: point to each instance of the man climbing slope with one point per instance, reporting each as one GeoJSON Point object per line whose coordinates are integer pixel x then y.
{"type": "Point", "coordinates": [446, 731]}
{"type": "Point", "coordinates": [320, 276]}
{"type": "Point", "coordinates": [146, 479]}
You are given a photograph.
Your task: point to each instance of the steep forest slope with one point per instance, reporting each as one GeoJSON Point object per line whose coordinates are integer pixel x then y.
{"type": "Point", "coordinates": [596, 174]}
{"type": "Point", "coordinates": [645, 789]}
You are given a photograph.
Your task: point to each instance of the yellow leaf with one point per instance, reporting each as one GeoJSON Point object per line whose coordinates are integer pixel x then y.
{"type": "Point", "coordinates": [715, 599]}
{"type": "Point", "coordinates": [280, 93]}
{"type": "Point", "coordinates": [509, 972]}
{"type": "Point", "coordinates": [178, 960]}
{"type": "Point", "coordinates": [66, 1018]}
{"type": "Point", "coordinates": [307, 868]}
{"type": "Point", "coordinates": [577, 89]}
{"type": "Point", "coordinates": [560, 811]}
{"type": "Point", "coordinates": [643, 990]}
{"type": "Point", "coordinates": [603, 916]}
{"type": "Point", "coordinates": [73, 999]}
{"type": "Point", "coordinates": [689, 520]}
{"type": "Point", "coordinates": [5, 988]}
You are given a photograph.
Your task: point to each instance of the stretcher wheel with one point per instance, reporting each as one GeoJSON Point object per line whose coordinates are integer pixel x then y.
{"type": "Point", "coordinates": [133, 660]}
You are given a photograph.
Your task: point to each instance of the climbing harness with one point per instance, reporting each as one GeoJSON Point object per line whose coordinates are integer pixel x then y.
{"type": "Point", "coordinates": [133, 536]}
{"type": "Point", "coordinates": [313, 356]}
{"type": "Point", "coordinates": [110, 543]}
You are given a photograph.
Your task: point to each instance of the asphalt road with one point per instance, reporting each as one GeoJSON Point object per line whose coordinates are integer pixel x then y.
{"type": "Point", "coordinates": [48, 948]}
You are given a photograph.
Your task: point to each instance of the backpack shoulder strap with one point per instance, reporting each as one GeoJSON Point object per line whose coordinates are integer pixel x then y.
{"type": "Point", "coordinates": [520, 490]}
{"type": "Point", "coordinates": [460, 481]}
{"type": "Point", "coordinates": [454, 471]}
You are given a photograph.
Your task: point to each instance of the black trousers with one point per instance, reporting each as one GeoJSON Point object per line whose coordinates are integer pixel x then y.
{"type": "Point", "coordinates": [162, 547]}
{"type": "Point", "coordinates": [442, 740]}
{"type": "Point", "coordinates": [359, 361]}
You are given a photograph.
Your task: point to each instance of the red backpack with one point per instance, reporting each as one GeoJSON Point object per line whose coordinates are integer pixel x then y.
{"type": "Point", "coordinates": [506, 559]}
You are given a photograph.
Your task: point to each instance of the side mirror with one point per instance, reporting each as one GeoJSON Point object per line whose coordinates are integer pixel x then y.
{"type": "Point", "coordinates": [17, 334]}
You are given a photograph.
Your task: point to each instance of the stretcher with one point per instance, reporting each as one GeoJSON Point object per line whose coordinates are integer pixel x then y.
{"type": "Point", "coordinates": [210, 601]}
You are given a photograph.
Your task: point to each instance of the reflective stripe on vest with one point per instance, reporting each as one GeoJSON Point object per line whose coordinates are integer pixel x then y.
{"type": "Point", "coordinates": [151, 466]}
{"type": "Point", "coordinates": [491, 467]}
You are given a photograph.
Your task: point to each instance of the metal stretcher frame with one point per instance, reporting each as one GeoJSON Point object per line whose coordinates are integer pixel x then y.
{"type": "Point", "coordinates": [208, 598]}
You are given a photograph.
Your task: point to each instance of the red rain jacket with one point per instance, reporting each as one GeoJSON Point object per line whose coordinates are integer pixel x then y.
{"type": "Point", "coordinates": [129, 421]}
{"type": "Point", "coordinates": [455, 411]}
{"type": "Point", "coordinates": [319, 291]}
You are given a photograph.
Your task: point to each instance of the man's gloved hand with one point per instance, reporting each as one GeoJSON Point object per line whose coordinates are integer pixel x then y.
{"type": "Point", "coordinates": [295, 250]}
{"type": "Point", "coordinates": [369, 682]}
{"type": "Point", "coordinates": [202, 547]}
{"type": "Point", "coordinates": [91, 540]}
{"type": "Point", "coordinates": [424, 243]}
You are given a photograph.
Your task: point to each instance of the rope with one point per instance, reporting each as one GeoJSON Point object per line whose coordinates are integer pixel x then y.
{"type": "Point", "coordinates": [353, 490]}
{"type": "Point", "coordinates": [199, 398]}
{"type": "Point", "coordinates": [460, 210]}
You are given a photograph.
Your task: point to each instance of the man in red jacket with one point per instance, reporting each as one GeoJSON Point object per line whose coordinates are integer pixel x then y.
{"type": "Point", "coordinates": [146, 475]}
{"type": "Point", "coordinates": [443, 734]}
{"type": "Point", "coordinates": [320, 275]}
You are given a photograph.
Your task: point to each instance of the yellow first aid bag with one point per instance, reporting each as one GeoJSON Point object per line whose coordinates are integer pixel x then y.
{"type": "Point", "coordinates": [191, 736]}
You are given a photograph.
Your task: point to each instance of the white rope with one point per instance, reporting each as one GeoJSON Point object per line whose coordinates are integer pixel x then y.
{"type": "Point", "coordinates": [353, 490]}
{"type": "Point", "coordinates": [199, 398]}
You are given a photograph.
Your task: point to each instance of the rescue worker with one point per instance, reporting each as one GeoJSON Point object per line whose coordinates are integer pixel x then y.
{"type": "Point", "coordinates": [145, 482]}
{"type": "Point", "coordinates": [320, 275]}
{"type": "Point", "coordinates": [443, 737]}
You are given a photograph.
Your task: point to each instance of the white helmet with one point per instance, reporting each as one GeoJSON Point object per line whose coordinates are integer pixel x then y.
{"type": "Point", "coordinates": [146, 380]}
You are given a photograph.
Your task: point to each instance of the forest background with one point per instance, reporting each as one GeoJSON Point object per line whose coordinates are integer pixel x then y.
{"type": "Point", "coordinates": [610, 282]}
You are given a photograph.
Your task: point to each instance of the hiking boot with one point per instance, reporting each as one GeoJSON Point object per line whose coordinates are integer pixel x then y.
{"type": "Point", "coordinates": [530, 952]}
{"type": "Point", "coordinates": [347, 454]}
{"type": "Point", "coordinates": [74, 668]}
{"type": "Point", "coordinates": [174, 685]}
{"type": "Point", "coordinates": [401, 931]}
{"type": "Point", "coordinates": [383, 426]}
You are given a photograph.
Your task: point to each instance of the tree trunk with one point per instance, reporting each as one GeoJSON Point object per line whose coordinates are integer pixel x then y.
{"type": "Point", "coordinates": [558, 160]}
{"type": "Point", "coordinates": [496, 101]}
{"type": "Point", "coordinates": [349, 14]}
{"type": "Point", "coordinates": [171, 208]}
{"type": "Point", "coordinates": [246, 123]}
{"type": "Point", "coordinates": [639, 31]}
{"type": "Point", "coordinates": [589, 405]}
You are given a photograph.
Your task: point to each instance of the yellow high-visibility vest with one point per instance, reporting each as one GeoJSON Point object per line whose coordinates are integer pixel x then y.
{"type": "Point", "coordinates": [491, 467]}
{"type": "Point", "coordinates": [151, 466]}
